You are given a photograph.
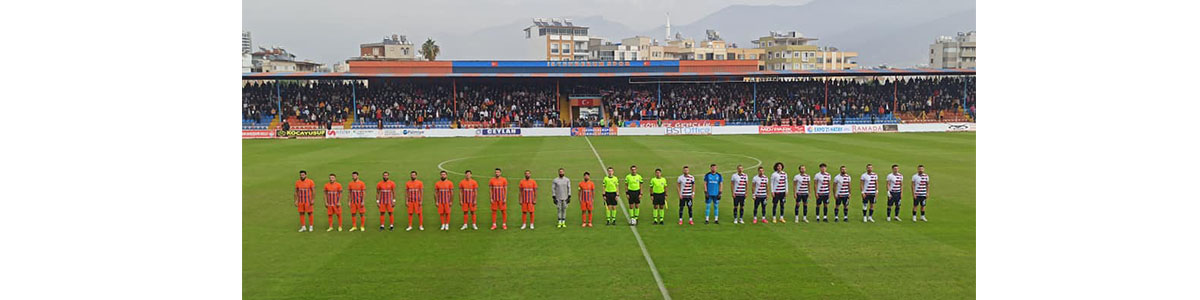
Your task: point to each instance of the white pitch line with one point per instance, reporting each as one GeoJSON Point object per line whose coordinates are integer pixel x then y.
{"type": "Point", "coordinates": [645, 253]}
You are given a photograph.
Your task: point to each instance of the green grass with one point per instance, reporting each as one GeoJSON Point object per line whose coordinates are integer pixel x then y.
{"type": "Point", "coordinates": [834, 260]}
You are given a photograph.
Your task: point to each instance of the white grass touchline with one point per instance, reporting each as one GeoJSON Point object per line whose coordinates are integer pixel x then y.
{"type": "Point", "coordinates": [654, 270]}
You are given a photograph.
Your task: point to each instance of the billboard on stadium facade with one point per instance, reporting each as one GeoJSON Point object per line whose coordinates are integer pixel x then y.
{"type": "Point", "coordinates": [297, 133]}
{"type": "Point", "coordinates": [593, 131]}
{"type": "Point", "coordinates": [781, 129]}
{"type": "Point", "coordinates": [674, 123]}
{"type": "Point", "coordinates": [351, 133]}
{"type": "Point", "coordinates": [828, 129]}
{"type": "Point", "coordinates": [867, 128]}
{"type": "Point", "coordinates": [700, 130]}
{"type": "Point", "coordinates": [498, 132]}
{"type": "Point", "coordinates": [402, 133]}
{"type": "Point", "coordinates": [257, 134]}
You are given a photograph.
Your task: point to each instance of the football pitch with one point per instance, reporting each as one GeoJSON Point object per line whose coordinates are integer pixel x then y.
{"type": "Point", "coordinates": [890, 260]}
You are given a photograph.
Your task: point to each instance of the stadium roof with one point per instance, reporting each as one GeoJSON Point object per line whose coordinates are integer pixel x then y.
{"type": "Point", "coordinates": [788, 73]}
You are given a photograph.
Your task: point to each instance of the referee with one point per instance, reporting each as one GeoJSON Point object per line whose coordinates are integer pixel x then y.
{"type": "Point", "coordinates": [610, 197]}
{"type": "Point", "coordinates": [633, 189]}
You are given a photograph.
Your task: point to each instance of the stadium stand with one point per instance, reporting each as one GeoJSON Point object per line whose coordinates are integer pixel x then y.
{"type": "Point", "coordinates": [434, 103]}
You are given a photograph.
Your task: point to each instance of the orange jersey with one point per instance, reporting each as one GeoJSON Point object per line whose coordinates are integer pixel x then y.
{"type": "Point", "coordinates": [586, 190]}
{"type": "Point", "coordinates": [467, 189]}
{"type": "Point", "coordinates": [358, 191]}
{"type": "Point", "coordinates": [333, 194]}
{"type": "Point", "coordinates": [386, 192]}
{"type": "Point", "coordinates": [443, 191]}
{"type": "Point", "coordinates": [499, 188]}
{"type": "Point", "coordinates": [528, 190]}
{"type": "Point", "coordinates": [414, 188]}
{"type": "Point", "coordinates": [304, 190]}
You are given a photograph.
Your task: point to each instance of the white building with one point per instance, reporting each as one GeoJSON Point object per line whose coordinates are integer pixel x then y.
{"type": "Point", "coordinates": [601, 50]}
{"type": "Point", "coordinates": [957, 52]}
{"type": "Point", "coordinates": [246, 45]}
{"type": "Point", "coordinates": [556, 39]}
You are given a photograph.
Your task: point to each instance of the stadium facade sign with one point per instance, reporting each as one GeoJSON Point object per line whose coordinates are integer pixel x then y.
{"type": "Point", "coordinates": [828, 129]}
{"type": "Point", "coordinates": [867, 128]}
{"type": "Point", "coordinates": [498, 132]}
{"type": "Point", "coordinates": [593, 131]}
{"type": "Point", "coordinates": [960, 127]}
{"type": "Point", "coordinates": [257, 134]}
{"type": "Point", "coordinates": [701, 130]}
{"type": "Point", "coordinates": [936, 127]}
{"type": "Point", "coordinates": [401, 133]}
{"type": "Point", "coordinates": [351, 133]}
{"type": "Point", "coordinates": [780, 129]}
{"type": "Point", "coordinates": [674, 123]}
{"type": "Point", "coordinates": [300, 133]}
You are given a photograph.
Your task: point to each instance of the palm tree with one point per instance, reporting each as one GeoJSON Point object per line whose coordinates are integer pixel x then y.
{"type": "Point", "coordinates": [430, 50]}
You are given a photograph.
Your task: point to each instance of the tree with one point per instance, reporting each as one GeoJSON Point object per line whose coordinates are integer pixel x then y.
{"type": "Point", "coordinates": [430, 50]}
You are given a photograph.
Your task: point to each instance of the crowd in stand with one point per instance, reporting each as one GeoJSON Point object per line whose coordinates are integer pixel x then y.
{"type": "Point", "coordinates": [492, 105]}
{"type": "Point", "coordinates": [258, 101]}
{"type": "Point", "coordinates": [318, 102]}
{"type": "Point", "coordinates": [404, 102]}
{"type": "Point", "coordinates": [804, 101]}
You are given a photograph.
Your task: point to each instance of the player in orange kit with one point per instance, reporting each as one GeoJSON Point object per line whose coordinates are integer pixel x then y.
{"type": "Point", "coordinates": [414, 190]}
{"type": "Point", "coordinates": [443, 194]}
{"type": "Point", "coordinates": [468, 189]}
{"type": "Point", "coordinates": [528, 199]}
{"type": "Point", "coordinates": [499, 187]}
{"type": "Point", "coordinates": [358, 192]}
{"type": "Point", "coordinates": [303, 199]}
{"type": "Point", "coordinates": [333, 201]}
{"type": "Point", "coordinates": [587, 190]}
{"type": "Point", "coordinates": [385, 196]}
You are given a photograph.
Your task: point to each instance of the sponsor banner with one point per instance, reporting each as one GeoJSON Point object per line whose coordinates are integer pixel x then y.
{"type": "Point", "coordinates": [257, 134]}
{"type": "Point", "coordinates": [351, 133]}
{"type": "Point", "coordinates": [828, 129]}
{"type": "Point", "coordinates": [960, 127]}
{"type": "Point", "coordinates": [593, 131]}
{"type": "Point", "coordinates": [735, 130]}
{"type": "Point", "coordinates": [867, 128]}
{"type": "Point", "coordinates": [444, 132]}
{"type": "Point", "coordinates": [926, 127]}
{"type": "Point", "coordinates": [705, 130]}
{"type": "Point", "coordinates": [780, 129]}
{"type": "Point", "coordinates": [498, 132]}
{"type": "Point", "coordinates": [300, 133]}
{"type": "Point", "coordinates": [890, 128]}
{"type": "Point", "coordinates": [643, 131]}
{"type": "Point", "coordinates": [546, 131]}
{"type": "Point", "coordinates": [674, 123]}
{"type": "Point", "coordinates": [402, 133]}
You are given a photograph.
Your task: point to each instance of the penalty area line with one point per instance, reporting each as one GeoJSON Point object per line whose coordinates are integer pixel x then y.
{"type": "Point", "coordinates": [645, 253]}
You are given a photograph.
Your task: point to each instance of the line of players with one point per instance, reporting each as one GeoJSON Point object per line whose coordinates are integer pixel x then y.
{"type": "Point", "coordinates": [823, 185]}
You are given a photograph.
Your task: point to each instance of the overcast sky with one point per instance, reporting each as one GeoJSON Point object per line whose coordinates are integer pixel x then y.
{"type": "Point", "coordinates": [330, 31]}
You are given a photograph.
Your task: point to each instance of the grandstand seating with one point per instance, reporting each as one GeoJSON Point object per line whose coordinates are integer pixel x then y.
{"type": "Point", "coordinates": [260, 124]}
{"type": "Point", "coordinates": [388, 104]}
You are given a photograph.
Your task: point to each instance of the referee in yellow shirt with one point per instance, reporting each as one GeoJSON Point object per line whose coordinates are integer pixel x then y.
{"type": "Point", "coordinates": [610, 182]}
{"type": "Point", "coordinates": [633, 189]}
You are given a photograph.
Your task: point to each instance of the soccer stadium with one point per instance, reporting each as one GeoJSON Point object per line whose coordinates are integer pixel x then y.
{"type": "Point", "coordinates": [900, 233]}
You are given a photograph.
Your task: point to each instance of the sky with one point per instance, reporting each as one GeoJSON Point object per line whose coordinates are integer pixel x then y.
{"type": "Point", "coordinates": [330, 31]}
